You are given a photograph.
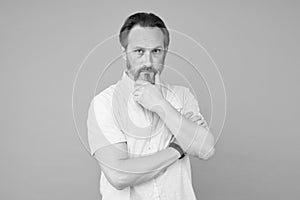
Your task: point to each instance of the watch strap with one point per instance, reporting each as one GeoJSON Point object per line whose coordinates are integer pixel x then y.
{"type": "Point", "coordinates": [178, 148]}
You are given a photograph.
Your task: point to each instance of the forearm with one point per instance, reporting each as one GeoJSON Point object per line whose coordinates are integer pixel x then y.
{"type": "Point", "coordinates": [195, 139]}
{"type": "Point", "coordinates": [134, 171]}
{"type": "Point", "coordinates": [131, 179]}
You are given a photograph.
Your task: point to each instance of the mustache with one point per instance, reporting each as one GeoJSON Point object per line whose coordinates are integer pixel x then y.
{"type": "Point", "coordinates": [145, 69]}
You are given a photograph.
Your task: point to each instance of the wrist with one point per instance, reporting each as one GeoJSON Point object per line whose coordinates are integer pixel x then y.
{"type": "Point", "coordinates": [174, 152]}
{"type": "Point", "coordinates": [176, 146]}
{"type": "Point", "coordinates": [161, 108]}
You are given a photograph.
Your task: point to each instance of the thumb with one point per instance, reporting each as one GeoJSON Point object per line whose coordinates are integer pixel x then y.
{"type": "Point", "coordinates": [158, 82]}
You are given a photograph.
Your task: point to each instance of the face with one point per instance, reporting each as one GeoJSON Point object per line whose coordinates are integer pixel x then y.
{"type": "Point", "coordinates": [145, 53]}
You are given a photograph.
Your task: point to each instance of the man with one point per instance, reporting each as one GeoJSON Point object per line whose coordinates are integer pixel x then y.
{"type": "Point", "coordinates": [142, 131]}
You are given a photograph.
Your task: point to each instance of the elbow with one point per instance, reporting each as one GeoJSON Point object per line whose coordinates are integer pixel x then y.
{"type": "Point", "coordinates": [117, 181]}
{"type": "Point", "coordinates": [208, 154]}
{"type": "Point", "coordinates": [116, 178]}
{"type": "Point", "coordinates": [119, 186]}
{"type": "Point", "coordinates": [208, 149]}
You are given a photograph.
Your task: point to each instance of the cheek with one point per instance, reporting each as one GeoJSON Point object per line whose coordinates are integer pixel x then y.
{"type": "Point", "coordinates": [135, 64]}
{"type": "Point", "coordinates": [158, 63]}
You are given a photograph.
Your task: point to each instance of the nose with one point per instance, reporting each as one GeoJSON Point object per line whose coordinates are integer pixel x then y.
{"type": "Point", "coordinates": [148, 59]}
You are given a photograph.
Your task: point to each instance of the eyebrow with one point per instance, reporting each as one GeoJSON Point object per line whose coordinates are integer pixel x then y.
{"type": "Point", "coordinates": [138, 47]}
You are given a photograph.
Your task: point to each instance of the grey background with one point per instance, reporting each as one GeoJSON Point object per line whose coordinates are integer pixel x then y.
{"type": "Point", "coordinates": [254, 43]}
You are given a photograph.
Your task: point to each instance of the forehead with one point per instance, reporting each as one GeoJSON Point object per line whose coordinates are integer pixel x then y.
{"type": "Point", "coordinates": [147, 37]}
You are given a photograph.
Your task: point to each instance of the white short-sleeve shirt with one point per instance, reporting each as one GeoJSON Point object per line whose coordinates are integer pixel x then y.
{"type": "Point", "coordinates": [176, 182]}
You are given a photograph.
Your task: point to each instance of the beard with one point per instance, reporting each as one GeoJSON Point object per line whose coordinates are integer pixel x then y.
{"type": "Point", "coordinates": [144, 73]}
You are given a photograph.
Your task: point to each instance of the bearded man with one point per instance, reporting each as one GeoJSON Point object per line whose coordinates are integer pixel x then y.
{"type": "Point", "coordinates": [142, 130]}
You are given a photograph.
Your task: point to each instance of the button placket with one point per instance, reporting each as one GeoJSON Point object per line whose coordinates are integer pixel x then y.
{"type": "Point", "coordinates": [156, 190]}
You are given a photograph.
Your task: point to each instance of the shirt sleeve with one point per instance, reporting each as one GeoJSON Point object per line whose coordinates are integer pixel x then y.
{"type": "Point", "coordinates": [190, 104]}
{"type": "Point", "coordinates": [102, 128]}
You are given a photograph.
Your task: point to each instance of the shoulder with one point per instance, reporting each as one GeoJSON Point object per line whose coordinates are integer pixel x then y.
{"type": "Point", "coordinates": [102, 102]}
{"type": "Point", "coordinates": [105, 96]}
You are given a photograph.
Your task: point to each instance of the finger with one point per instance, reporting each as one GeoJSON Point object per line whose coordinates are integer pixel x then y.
{"type": "Point", "coordinates": [157, 79]}
{"type": "Point", "coordinates": [139, 88]}
{"type": "Point", "coordinates": [136, 95]}
{"type": "Point", "coordinates": [200, 117]}
{"type": "Point", "coordinates": [137, 92]}
{"type": "Point", "coordinates": [136, 98]}
{"type": "Point", "coordinates": [188, 114]}
{"type": "Point", "coordinates": [158, 83]}
{"type": "Point", "coordinates": [200, 122]}
{"type": "Point", "coordinates": [195, 118]}
{"type": "Point", "coordinates": [140, 83]}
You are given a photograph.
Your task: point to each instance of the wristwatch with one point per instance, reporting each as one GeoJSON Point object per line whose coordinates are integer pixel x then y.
{"type": "Point", "coordinates": [178, 148]}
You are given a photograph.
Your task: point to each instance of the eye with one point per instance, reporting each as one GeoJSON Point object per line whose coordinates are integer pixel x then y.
{"type": "Point", "coordinates": [157, 51]}
{"type": "Point", "coordinates": [139, 51]}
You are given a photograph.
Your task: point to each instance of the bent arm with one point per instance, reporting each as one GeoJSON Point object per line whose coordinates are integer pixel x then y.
{"type": "Point", "coordinates": [122, 171]}
{"type": "Point", "coordinates": [194, 139]}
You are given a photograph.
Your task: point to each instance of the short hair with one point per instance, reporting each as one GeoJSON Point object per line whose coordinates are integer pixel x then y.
{"type": "Point", "coordinates": [144, 20]}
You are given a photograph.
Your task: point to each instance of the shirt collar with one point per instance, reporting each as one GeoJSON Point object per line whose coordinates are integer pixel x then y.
{"type": "Point", "coordinates": [127, 81]}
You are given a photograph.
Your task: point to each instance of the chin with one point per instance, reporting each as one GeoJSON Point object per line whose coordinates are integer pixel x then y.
{"type": "Point", "coordinates": [148, 77]}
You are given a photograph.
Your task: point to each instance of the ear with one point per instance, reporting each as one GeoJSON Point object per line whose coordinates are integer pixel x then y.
{"type": "Point", "coordinates": [123, 53]}
{"type": "Point", "coordinates": [165, 52]}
